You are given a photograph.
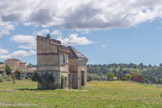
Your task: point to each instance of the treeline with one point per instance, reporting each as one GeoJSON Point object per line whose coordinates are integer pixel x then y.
{"type": "Point", "coordinates": [152, 74]}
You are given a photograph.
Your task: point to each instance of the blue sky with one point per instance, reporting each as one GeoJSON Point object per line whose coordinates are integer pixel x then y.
{"type": "Point", "coordinates": [105, 33]}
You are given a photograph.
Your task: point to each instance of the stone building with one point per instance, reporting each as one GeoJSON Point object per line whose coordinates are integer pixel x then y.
{"type": "Point", "coordinates": [15, 63]}
{"type": "Point", "coordinates": [58, 65]}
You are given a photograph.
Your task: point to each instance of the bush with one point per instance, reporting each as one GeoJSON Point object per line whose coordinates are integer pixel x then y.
{"type": "Point", "coordinates": [8, 78]}
{"type": "Point", "coordinates": [110, 76]}
{"type": "Point", "coordinates": [128, 76]}
{"type": "Point", "coordinates": [1, 78]}
{"type": "Point", "coordinates": [13, 77]}
{"type": "Point", "coordinates": [89, 78]}
{"type": "Point", "coordinates": [137, 77]}
{"type": "Point", "coordinates": [46, 79]}
{"type": "Point", "coordinates": [34, 77]}
{"type": "Point", "coordinates": [62, 82]}
{"type": "Point", "coordinates": [96, 77]}
{"type": "Point", "coordinates": [8, 70]}
{"type": "Point", "coordinates": [4, 75]}
{"type": "Point", "coordinates": [124, 78]}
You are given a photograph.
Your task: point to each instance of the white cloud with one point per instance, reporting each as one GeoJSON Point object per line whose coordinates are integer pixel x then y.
{"type": "Point", "coordinates": [80, 14]}
{"type": "Point", "coordinates": [43, 32]}
{"type": "Point", "coordinates": [25, 41]}
{"type": "Point", "coordinates": [56, 33]}
{"type": "Point", "coordinates": [74, 39]}
{"type": "Point", "coordinates": [20, 53]}
{"type": "Point", "coordinates": [5, 30]}
{"type": "Point", "coordinates": [103, 46]}
{"type": "Point", "coordinates": [3, 51]}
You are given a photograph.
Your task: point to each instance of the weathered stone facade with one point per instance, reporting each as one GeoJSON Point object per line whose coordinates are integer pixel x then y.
{"type": "Point", "coordinates": [15, 63]}
{"type": "Point", "coordinates": [57, 62]}
{"type": "Point", "coordinates": [77, 68]}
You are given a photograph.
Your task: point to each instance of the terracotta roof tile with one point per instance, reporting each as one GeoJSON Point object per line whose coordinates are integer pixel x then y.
{"type": "Point", "coordinates": [75, 54]}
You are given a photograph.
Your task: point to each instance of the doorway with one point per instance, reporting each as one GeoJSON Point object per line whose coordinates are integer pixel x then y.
{"type": "Point", "coordinates": [82, 78]}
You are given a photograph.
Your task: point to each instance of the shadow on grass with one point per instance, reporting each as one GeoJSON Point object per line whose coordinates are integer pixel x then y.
{"type": "Point", "coordinates": [34, 89]}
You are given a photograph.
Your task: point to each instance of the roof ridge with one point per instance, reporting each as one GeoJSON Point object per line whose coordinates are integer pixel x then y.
{"type": "Point", "coordinates": [75, 54]}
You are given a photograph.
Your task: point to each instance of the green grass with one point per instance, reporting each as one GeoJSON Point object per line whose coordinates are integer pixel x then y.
{"type": "Point", "coordinates": [115, 94]}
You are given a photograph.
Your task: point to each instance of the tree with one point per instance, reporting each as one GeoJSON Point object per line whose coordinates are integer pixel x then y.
{"type": "Point", "coordinates": [1, 63]}
{"type": "Point", "coordinates": [110, 76]}
{"type": "Point", "coordinates": [13, 77]}
{"type": "Point", "coordinates": [30, 65]}
{"type": "Point", "coordinates": [8, 70]}
{"type": "Point", "coordinates": [137, 77]}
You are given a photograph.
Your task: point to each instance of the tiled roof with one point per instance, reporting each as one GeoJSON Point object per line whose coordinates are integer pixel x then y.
{"type": "Point", "coordinates": [63, 48]}
{"type": "Point", "coordinates": [12, 59]}
{"type": "Point", "coordinates": [56, 41]}
{"type": "Point", "coordinates": [74, 54]}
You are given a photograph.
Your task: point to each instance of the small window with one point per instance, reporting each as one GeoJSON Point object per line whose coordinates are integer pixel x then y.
{"type": "Point", "coordinates": [62, 59]}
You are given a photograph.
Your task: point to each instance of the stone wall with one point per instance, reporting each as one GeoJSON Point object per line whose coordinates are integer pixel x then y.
{"type": "Point", "coordinates": [48, 62]}
{"type": "Point", "coordinates": [76, 68]}
{"type": "Point", "coordinates": [45, 84]}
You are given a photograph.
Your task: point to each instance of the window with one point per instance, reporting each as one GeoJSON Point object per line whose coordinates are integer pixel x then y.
{"type": "Point", "coordinates": [82, 63]}
{"type": "Point", "coordinates": [62, 59]}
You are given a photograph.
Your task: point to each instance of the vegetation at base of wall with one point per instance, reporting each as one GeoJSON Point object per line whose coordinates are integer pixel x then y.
{"type": "Point", "coordinates": [62, 82]}
{"type": "Point", "coordinates": [34, 77]}
{"type": "Point", "coordinates": [46, 77]}
{"type": "Point", "coordinates": [98, 94]}
{"type": "Point", "coordinates": [152, 74]}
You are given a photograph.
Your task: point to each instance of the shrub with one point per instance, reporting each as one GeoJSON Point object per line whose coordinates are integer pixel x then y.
{"type": "Point", "coordinates": [46, 79]}
{"type": "Point", "coordinates": [4, 75]}
{"type": "Point", "coordinates": [128, 76]}
{"type": "Point", "coordinates": [1, 78]}
{"type": "Point", "coordinates": [96, 77]}
{"type": "Point", "coordinates": [34, 77]}
{"type": "Point", "coordinates": [110, 76]}
{"type": "Point", "coordinates": [124, 78]}
{"type": "Point", "coordinates": [89, 78]}
{"type": "Point", "coordinates": [137, 77]}
{"type": "Point", "coordinates": [62, 82]}
{"type": "Point", "coordinates": [8, 70]}
{"type": "Point", "coordinates": [9, 78]}
{"type": "Point", "coordinates": [13, 77]}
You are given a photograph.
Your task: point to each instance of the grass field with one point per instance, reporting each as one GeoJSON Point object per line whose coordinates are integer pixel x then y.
{"type": "Point", "coordinates": [114, 94]}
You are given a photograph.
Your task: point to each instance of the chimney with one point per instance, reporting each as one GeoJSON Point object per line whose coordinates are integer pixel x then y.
{"type": "Point", "coordinates": [48, 36]}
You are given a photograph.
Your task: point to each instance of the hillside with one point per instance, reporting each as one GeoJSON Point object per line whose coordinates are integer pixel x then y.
{"type": "Point", "coordinates": [106, 94]}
